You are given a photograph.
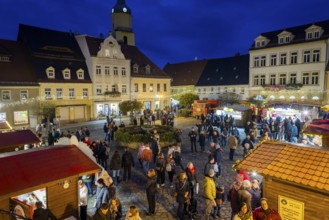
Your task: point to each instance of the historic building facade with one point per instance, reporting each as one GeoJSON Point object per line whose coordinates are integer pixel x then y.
{"type": "Point", "coordinates": [60, 71]}
{"type": "Point", "coordinates": [18, 86]}
{"type": "Point", "coordinates": [289, 65]}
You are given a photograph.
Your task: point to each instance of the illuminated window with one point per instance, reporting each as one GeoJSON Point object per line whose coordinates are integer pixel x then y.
{"type": "Point", "coordinates": [71, 93]}
{"type": "Point", "coordinates": [6, 95]}
{"type": "Point", "coordinates": [50, 71]}
{"type": "Point", "coordinates": [24, 95]}
{"type": "Point", "coordinates": [59, 93]}
{"type": "Point", "coordinates": [85, 93]}
{"type": "Point", "coordinates": [48, 93]}
{"type": "Point", "coordinates": [80, 74]}
{"type": "Point", "coordinates": [66, 73]}
{"type": "Point", "coordinates": [151, 87]}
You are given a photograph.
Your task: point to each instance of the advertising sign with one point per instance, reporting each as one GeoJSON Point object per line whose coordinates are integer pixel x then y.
{"type": "Point", "coordinates": [21, 118]}
{"type": "Point", "coordinates": [290, 209]}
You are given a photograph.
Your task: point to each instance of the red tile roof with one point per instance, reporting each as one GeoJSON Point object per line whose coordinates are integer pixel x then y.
{"type": "Point", "coordinates": [24, 169]}
{"type": "Point", "coordinates": [295, 163]}
{"type": "Point", "coordinates": [18, 138]}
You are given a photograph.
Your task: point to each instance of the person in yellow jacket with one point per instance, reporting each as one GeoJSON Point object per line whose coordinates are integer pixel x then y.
{"type": "Point", "coordinates": [209, 189]}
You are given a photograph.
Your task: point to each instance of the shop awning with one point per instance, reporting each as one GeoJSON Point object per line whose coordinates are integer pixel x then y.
{"type": "Point", "coordinates": [18, 138]}
{"type": "Point", "coordinates": [317, 126]}
{"type": "Point", "coordinates": [24, 169]}
{"type": "Point", "coordinates": [297, 164]}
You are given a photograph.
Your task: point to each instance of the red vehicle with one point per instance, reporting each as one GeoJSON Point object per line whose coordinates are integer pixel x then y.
{"type": "Point", "coordinates": [200, 107]}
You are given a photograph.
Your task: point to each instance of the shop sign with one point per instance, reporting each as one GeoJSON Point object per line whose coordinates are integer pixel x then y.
{"type": "Point", "coordinates": [290, 209]}
{"type": "Point", "coordinates": [21, 117]}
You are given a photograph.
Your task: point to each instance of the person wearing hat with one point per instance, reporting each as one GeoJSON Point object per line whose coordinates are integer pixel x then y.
{"type": "Point", "coordinates": [264, 212]}
{"type": "Point", "coordinates": [209, 189]}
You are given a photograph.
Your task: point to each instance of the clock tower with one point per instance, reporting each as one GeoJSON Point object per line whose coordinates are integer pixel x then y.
{"type": "Point", "coordinates": [122, 23]}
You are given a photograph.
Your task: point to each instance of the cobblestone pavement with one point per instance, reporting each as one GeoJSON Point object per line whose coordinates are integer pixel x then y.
{"type": "Point", "coordinates": [133, 192]}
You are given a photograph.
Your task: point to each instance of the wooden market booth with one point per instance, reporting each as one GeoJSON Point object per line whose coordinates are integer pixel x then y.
{"type": "Point", "coordinates": [295, 178]}
{"type": "Point", "coordinates": [240, 113]}
{"type": "Point", "coordinates": [48, 174]}
{"type": "Point", "coordinates": [17, 140]}
{"type": "Point", "coordinates": [316, 133]}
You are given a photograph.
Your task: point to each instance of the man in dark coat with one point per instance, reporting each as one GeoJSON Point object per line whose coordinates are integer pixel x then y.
{"type": "Point", "coordinates": [182, 194]}
{"type": "Point", "coordinates": [41, 213]}
{"type": "Point", "coordinates": [192, 134]}
{"type": "Point", "coordinates": [126, 162]}
{"type": "Point", "coordinates": [151, 190]}
{"type": "Point", "coordinates": [155, 149]}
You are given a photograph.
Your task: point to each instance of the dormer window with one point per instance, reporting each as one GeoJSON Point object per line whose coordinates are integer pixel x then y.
{"type": "Point", "coordinates": [261, 41]}
{"type": "Point", "coordinates": [135, 68]}
{"type": "Point", "coordinates": [66, 73]}
{"type": "Point", "coordinates": [50, 71]}
{"type": "Point", "coordinates": [148, 69]}
{"type": "Point", "coordinates": [313, 32]}
{"type": "Point", "coordinates": [80, 74]}
{"type": "Point", "coordinates": [285, 37]}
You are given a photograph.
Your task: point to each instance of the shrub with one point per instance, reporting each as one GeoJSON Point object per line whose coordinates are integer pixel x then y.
{"type": "Point", "coordinates": [184, 112]}
{"type": "Point", "coordinates": [132, 136]}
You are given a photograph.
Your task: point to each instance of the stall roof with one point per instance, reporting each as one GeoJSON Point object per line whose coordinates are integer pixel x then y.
{"type": "Point", "coordinates": [24, 169]}
{"type": "Point", "coordinates": [294, 163]}
{"type": "Point", "coordinates": [317, 126]}
{"type": "Point", "coordinates": [4, 126]}
{"type": "Point", "coordinates": [17, 138]}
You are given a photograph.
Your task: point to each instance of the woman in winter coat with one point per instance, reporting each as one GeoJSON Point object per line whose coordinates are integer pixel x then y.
{"type": "Point", "coordinates": [170, 168]}
{"type": "Point", "coordinates": [151, 190]}
{"type": "Point", "coordinates": [115, 209]}
{"type": "Point", "coordinates": [101, 193]}
{"type": "Point", "coordinates": [115, 166]}
{"type": "Point", "coordinates": [255, 194]}
{"type": "Point", "coordinates": [191, 178]}
{"type": "Point", "coordinates": [244, 213]}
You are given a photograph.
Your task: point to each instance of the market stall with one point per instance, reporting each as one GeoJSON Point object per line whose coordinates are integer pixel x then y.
{"type": "Point", "coordinates": [316, 133]}
{"type": "Point", "coordinates": [295, 178]}
{"type": "Point", "coordinates": [17, 140]}
{"type": "Point", "coordinates": [48, 174]}
{"type": "Point", "coordinates": [240, 113]}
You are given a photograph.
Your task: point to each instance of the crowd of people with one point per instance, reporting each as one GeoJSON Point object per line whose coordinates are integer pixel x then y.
{"type": "Point", "coordinates": [165, 168]}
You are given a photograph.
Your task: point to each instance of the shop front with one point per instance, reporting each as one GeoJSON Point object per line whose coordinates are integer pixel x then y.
{"type": "Point", "coordinates": [104, 109]}
{"type": "Point", "coordinates": [240, 113]}
{"type": "Point", "coordinates": [48, 175]}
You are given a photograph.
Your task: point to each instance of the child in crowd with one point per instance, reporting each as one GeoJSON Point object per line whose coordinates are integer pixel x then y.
{"type": "Point", "coordinates": [220, 198]}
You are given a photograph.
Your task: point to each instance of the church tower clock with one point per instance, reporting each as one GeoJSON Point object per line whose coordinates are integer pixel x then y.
{"type": "Point", "coordinates": [122, 23]}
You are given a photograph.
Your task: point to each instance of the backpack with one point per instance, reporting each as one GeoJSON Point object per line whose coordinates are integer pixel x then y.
{"type": "Point", "coordinates": [147, 155]}
{"type": "Point", "coordinates": [168, 167]}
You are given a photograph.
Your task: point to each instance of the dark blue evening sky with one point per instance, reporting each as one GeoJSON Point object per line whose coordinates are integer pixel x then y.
{"type": "Point", "coordinates": [169, 30]}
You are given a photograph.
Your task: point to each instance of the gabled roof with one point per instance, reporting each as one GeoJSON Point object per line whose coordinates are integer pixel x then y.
{"type": "Point", "coordinates": [297, 31]}
{"type": "Point", "coordinates": [53, 48]}
{"type": "Point", "coordinates": [18, 138]}
{"type": "Point", "coordinates": [24, 169]}
{"type": "Point", "coordinates": [293, 163]}
{"type": "Point", "coordinates": [131, 53]}
{"type": "Point", "coordinates": [186, 73]}
{"type": "Point", "coordinates": [225, 71]}
{"type": "Point", "coordinates": [19, 70]}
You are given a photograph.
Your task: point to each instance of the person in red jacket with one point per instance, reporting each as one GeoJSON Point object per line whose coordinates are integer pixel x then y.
{"type": "Point", "coordinates": [264, 212]}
